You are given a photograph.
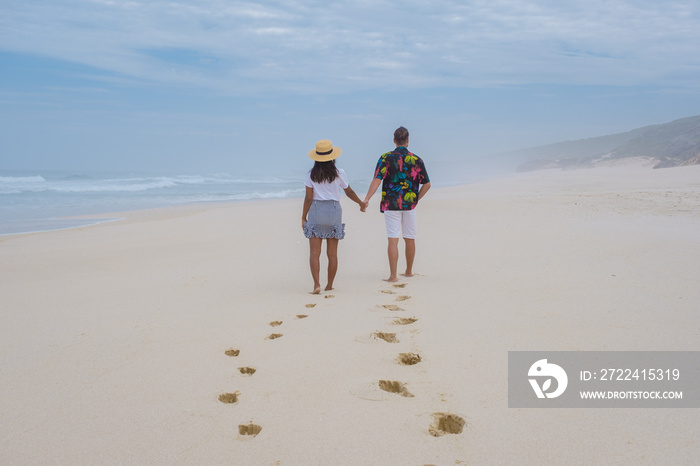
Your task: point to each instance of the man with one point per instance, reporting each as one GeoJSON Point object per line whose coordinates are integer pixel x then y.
{"type": "Point", "coordinates": [404, 182]}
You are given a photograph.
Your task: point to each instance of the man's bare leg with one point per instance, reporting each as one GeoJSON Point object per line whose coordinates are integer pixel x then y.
{"type": "Point", "coordinates": [314, 262]}
{"type": "Point", "coordinates": [393, 252]}
{"type": "Point", "coordinates": [410, 255]}
{"type": "Point", "coordinates": [332, 253]}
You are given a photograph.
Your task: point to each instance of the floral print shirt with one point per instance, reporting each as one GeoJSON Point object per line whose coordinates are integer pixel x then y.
{"type": "Point", "coordinates": [403, 172]}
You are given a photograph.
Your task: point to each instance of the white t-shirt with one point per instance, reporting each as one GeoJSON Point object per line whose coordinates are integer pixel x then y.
{"type": "Point", "coordinates": [328, 191]}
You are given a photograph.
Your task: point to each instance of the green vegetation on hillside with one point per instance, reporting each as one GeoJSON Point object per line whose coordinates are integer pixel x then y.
{"type": "Point", "coordinates": [671, 144]}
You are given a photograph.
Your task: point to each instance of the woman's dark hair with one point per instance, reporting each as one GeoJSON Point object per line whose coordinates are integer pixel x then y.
{"type": "Point", "coordinates": [324, 172]}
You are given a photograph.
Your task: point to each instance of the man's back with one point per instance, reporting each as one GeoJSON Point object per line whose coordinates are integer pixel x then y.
{"type": "Point", "coordinates": [402, 172]}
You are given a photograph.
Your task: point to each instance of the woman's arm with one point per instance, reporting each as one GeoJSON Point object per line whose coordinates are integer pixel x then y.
{"type": "Point", "coordinates": [307, 205]}
{"type": "Point", "coordinates": [351, 194]}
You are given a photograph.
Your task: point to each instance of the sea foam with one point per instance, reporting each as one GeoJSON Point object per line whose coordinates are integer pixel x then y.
{"type": "Point", "coordinates": [46, 198]}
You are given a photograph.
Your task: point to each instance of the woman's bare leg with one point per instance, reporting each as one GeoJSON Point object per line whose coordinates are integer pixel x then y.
{"type": "Point", "coordinates": [314, 262]}
{"type": "Point", "coordinates": [332, 253]}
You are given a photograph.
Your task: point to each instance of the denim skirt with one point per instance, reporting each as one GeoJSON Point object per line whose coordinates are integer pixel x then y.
{"type": "Point", "coordinates": [325, 220]}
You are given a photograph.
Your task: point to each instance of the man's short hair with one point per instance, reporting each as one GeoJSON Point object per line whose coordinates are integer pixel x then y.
{"type": "Point", "coordinates": [401, 135]}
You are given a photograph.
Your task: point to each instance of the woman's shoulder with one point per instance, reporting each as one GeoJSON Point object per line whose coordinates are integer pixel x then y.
{"type": "Point", "coordinates": [342, 175]}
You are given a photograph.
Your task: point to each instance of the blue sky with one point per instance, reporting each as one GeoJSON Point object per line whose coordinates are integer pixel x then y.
{"type": "Point", "coordinates": [226, 86]}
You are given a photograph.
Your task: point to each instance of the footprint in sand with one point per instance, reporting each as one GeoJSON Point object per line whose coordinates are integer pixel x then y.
{"type": "Point", "coordinates": [393, 386]}
{"type": "Point", "coordinates": [402, 298]}
{"type": "Point", "coordinates": [232, 352]}
{"type": "Point", "coordinates": [391, 307]}
{"type": "Point", "coordinates": [387, 337]}
{"type": "Point", "coordinates": [302, 316]}
{"type": "Point", "coordinates": [399, 285]}
{"type": "Point", "coordinates": [249, 429]}
{"type": "Point", "coordinates": [229, 398]}
{"type": "Point", "coordinates": [408, 359]}
{"type": "Point", "coordinates": [445, 423]}
{"type": "Point", "coordinates": [246, 370]}
{"type": "Point", "coordinates": [405, 320]}
{"type": "Point", "coordinates": [273, 336]}
{"type": "Point", "coordinates": [309, 306]}
{"type": "Point", "coordinates": [328, 296]}
{"type": "Point", "coordinates": [275, 323]}
{"type": "Point", "coordinates": [386, 291]}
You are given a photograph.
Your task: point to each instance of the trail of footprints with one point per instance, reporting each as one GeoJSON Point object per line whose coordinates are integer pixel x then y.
{"type": "Point", "coordinates": [443, 423]}
{"type": "Point", "coordinates": [251, 429]}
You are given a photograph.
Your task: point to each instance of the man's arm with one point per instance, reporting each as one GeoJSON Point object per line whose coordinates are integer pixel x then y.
{"type": "Point", "coordinates": [372, 189]}
{"type": "Point", "coordinates": [423, 189]}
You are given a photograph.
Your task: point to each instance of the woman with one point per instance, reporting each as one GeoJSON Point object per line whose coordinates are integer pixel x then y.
{"type": "Point", "coordinates": [322, 206]}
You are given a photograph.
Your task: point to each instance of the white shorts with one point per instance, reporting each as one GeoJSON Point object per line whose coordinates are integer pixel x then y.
{"type": "Point", "coordinates": [401, 223]}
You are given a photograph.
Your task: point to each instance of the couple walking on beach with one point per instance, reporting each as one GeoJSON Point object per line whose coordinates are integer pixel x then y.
{"type": "Point", "coordinates": [404, 182]}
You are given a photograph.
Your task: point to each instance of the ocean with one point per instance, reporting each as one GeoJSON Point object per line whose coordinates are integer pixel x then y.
{"type": "Point", "coordinates": [32, 201]}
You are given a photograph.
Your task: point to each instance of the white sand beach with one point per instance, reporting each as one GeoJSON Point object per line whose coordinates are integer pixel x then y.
{"type": "Point", "coordinates": [113, 337]}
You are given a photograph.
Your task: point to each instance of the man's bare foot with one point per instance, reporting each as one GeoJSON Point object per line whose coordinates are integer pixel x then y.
{"type": "Point", "coordinates": [328, 288]}
{"type": "Point", "coordinates": [407, 274]}
{"type": "Point", "coordinates": [316, 291]}
{"type": "Point", "coordinates": [391, 279]}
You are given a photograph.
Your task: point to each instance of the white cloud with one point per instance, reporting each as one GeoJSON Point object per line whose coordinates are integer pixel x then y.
{"type": "Point", "coordinates": [366, 44]}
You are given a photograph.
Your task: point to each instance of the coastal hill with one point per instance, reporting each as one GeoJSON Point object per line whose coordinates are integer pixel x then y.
{"type": "Point", "coordinates": [667, 145]}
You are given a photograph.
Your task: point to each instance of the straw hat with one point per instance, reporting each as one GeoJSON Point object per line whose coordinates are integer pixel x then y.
{"type": "Point", "coordinates": [325, 151]}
